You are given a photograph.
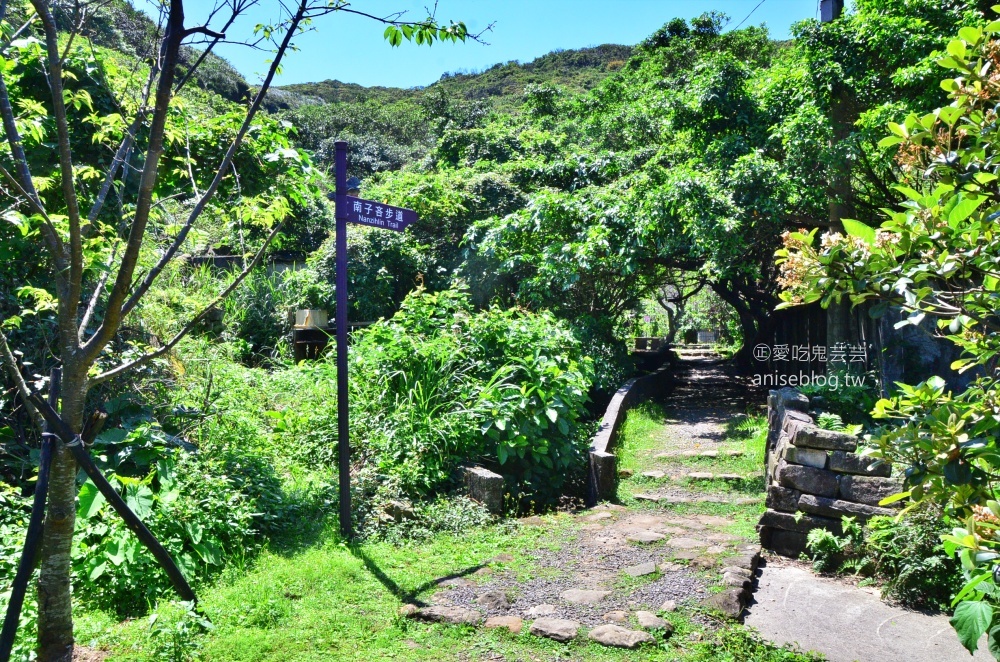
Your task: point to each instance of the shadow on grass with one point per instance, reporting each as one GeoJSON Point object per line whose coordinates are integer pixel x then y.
{"type": "Point", "coordinates": [404, 595]}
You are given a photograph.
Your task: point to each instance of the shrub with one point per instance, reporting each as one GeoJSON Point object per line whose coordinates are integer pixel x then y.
{"type": "Point", "coordinates": [906, 557]}
{"type": "Point", "coordinates": [910, 559]}
{"type": "Point", "coordinates": [438, 385]}
{"type": "Point", "coordinates": [190, 505]}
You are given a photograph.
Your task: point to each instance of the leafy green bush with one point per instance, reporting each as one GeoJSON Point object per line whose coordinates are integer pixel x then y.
{"type": "Point", "coordinates": [829, 551]}
{"type": "Point", "coordinates": [908, 558]}
{"type": "Point", "coordinates": [739, 644]}
{"type": "Point", "coordinates": [189, 504]}
{"type": "Point", "coordinates": [438, 385]}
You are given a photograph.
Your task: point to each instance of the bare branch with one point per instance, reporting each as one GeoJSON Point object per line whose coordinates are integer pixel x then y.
{"type": "Point", "coordinates": [170, 52]}
{"type": "Point", "coordinates": [67, 309]}
{"type": "Point", "coordinates": [125, 367]}
{"type": "Point", "coordinates": [88, 314]}
{"type": "Point", "coordinates": [239, 7]}
{"type": "Point", "coordinates": [127, 142]}
{"type": "Point", "coordinates": [15, 374]}
{"type": "Point", "coordinates": [220, 173]}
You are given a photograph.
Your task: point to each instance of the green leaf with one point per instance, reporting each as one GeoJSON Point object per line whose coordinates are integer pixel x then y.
{"type": "Point", "coordinates": [993, 642]}
{"type": "Point", "coordinates": [949, 114]}
{"type": "Point", "coordinates": [115, 551]}
{"type": "Point", "coordinates": [957, 48]}
{"type": "Point", "coordinates": [502, 452]}
{"type": "Point", "coordinates": [209, 553]}
{"type": "Point", "coordinates": [970, 34]}
{"type": "Point", "coordinates": [958, 472]}
{"type": "Point", "coordinates": [140, 500]}
{"type": "Point", "coordinates": [916, 196]}
{"type": "Point", "coordinates": [894, 498]}
{"type": "Point", "coordinates": [194, 531]}
{"type": "Point", "coordinates": [552, 414]}
{"type": "Point", "coordinates": [98, 570]}
{"type": "Point", "coordinates": [964, 209]}
{"type": "Point", "coordinates": [91, 500]}
{"type": "Point", "coordinates": [859, 230]}
{"type": "Point", "coordinates": [973, 583]}
{"type": "Point", "coordinates": [970, 621]}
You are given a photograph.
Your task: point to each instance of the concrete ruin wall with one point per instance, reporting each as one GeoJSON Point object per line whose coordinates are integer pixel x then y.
{"type": "Point", "coordinates": [602, 474]}
{"type": "Point", "coordinates": [814, 477]}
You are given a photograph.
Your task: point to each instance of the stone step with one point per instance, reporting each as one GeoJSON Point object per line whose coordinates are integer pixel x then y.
{"type": "Point", "coordinates": [707, 475]}
{"type": "Point", "coordinates": [701, 453]}
{"type": "Point", "coordinates": [668, 499]}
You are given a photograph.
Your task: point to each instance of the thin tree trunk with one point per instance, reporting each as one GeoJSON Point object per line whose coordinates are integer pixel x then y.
{"type": "Point", "coordinates": [55, 605]}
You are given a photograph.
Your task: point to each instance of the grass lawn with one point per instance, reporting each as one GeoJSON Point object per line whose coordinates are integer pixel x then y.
{"type": "Point", "coordinates": [329, 600]}
{"type": "Point", "coordinates": [339, 602]}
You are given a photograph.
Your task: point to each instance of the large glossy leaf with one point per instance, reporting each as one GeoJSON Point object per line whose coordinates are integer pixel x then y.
{"type": "Point", "coordinates": [971, 620]}
{"type": "Point", "coordinates": [859, 230]}
{"type": "Point", "coordinates": [90, 501]}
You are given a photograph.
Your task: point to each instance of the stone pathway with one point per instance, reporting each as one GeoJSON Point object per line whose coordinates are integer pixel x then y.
{"type": "Point", "coordinates": [618, 571]}
{"type": "Point", "coordinates": [686, 540]}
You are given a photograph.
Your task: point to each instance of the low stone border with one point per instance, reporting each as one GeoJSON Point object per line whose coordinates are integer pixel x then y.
{"type": "Point", "coordinates": [558, 629]}
{"type": "Point", "coordinates": [602, 478]}
{"type": "Point", "coordinates": [738, 576]}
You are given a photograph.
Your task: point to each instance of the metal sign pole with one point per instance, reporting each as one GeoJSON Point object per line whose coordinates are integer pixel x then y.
{"type": "Point", "coordinates": [343, 439]}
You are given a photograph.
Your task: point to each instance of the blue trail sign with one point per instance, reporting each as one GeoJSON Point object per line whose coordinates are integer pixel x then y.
{"type": "Point", "coordinates": [377, 215]}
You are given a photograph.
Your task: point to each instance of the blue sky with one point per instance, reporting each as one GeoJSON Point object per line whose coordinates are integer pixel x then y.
{"type": "Point", "coordinates": [351, 48]}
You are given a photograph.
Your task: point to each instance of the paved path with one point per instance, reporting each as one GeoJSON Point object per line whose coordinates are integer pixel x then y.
{"type": "Point", "coordinates": [847, 623]}
{"type": "Point", "coordinates": [791, 604]}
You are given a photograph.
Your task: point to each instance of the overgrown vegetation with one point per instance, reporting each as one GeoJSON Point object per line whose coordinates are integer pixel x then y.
{"type": "Point", "coordinates": [904, 557]}
{"type": "Point", "coordinates": [557, 199]}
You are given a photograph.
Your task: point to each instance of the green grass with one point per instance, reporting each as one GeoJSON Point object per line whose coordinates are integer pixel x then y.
{"type": "Point", "coordinates": [335, 601]}
{"type": "Point", "coordinates": [637, 437]}
{"type": "Point", "coordinates": [340, 602]}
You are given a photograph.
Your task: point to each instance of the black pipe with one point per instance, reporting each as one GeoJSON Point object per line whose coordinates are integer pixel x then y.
{"type": "Point", "coordinates": [33, 537]}
{"type": "Point", "coordinates": [74, 443]}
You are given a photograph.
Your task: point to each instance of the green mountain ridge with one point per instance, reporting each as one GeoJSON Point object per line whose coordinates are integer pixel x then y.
{"type": "Point", "coordinates": [576, 70]}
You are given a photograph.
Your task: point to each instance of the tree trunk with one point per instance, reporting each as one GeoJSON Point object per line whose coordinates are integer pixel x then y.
{"type": "Point", "coordinates": [55, 604]}
{"type": "Point", "coordinates": [744, 356]}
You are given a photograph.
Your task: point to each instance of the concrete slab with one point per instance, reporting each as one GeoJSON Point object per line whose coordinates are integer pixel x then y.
{"type": "Point", "coordinates": [847, 623]}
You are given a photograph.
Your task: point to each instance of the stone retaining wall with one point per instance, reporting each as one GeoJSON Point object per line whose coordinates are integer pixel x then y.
{"type": "Point", "coordinates": [602, 477]}
{"type": "Point", "coordinates": [814, 477]}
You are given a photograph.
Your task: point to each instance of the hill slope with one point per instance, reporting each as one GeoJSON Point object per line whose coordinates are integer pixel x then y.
{"type": "Point", "coordinates": [575, 70]}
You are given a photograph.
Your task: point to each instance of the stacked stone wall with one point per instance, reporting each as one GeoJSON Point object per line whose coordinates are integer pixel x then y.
{"type": "Point", "coordinates": [814, 477]}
